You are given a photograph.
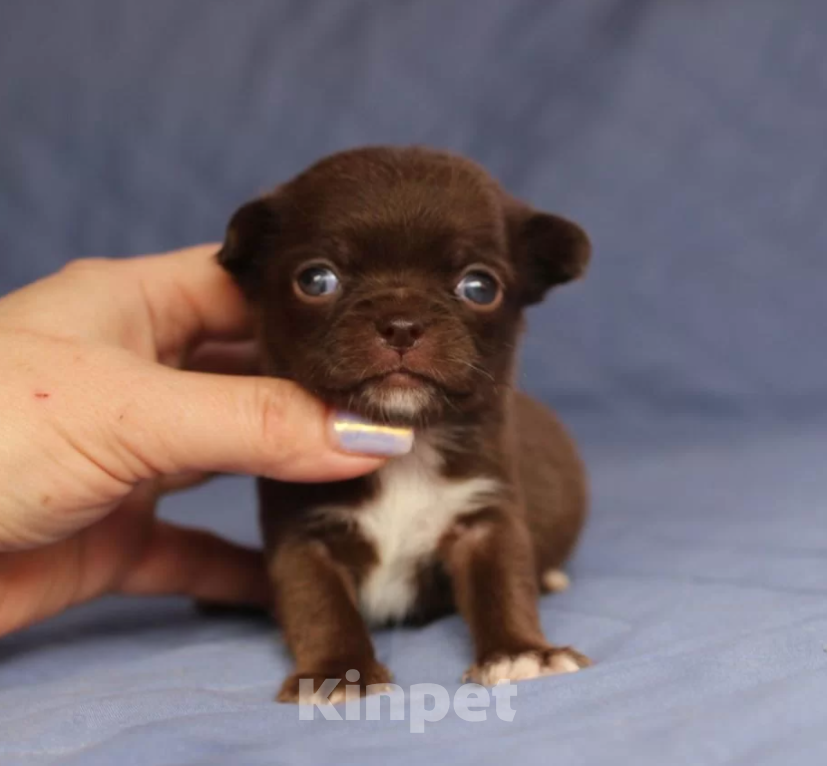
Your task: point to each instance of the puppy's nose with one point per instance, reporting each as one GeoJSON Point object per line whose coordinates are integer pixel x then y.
{"type": "Point", "coordinates": [400, 333]}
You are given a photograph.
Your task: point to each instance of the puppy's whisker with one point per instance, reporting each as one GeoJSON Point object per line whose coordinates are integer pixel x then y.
{"type": "Point", "coordinates": [471, 365]}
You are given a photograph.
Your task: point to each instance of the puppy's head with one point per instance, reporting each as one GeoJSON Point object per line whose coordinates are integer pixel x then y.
{"type": "Point", "coordinates": [391, 282]}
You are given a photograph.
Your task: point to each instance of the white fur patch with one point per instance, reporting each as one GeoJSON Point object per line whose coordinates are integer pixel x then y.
{"type": "Point", "coordinates": [522, 667]}
{"type": "Point", "coordinates": [414, 506]}
{"type": "Point", "coordinates": [396, 402]}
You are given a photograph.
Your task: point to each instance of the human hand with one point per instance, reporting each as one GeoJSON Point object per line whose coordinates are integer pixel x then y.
{"type": "Point", "coordinates": [100, 417]}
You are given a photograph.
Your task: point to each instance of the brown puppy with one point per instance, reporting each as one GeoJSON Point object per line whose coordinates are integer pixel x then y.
{"type": "Point", "coordinates": [391, 283]}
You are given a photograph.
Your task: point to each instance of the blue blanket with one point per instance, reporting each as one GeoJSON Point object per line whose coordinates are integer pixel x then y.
{"type": "Point", "coordinates": [688, 139]}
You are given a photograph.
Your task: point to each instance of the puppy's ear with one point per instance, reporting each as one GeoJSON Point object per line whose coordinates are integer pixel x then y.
{"type": "Point", "coordinates": [548, 250]}
{"type": "Point", "coordinates": [252, 235]}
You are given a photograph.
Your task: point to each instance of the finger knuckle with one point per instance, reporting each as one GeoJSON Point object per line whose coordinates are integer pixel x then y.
{"type": "Point", "coordinates": [91, 273]}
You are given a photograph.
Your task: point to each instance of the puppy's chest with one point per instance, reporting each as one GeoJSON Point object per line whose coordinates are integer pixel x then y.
{"type": "Point", "coordinates": [414, 505]}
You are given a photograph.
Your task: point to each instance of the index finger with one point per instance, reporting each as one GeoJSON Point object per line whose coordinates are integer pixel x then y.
{"type": "Point", "coordinates": [190, 298]}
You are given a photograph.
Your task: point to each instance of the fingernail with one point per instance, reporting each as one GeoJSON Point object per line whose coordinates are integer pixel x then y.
{"type": "Point", "coordinates": [353, 434]}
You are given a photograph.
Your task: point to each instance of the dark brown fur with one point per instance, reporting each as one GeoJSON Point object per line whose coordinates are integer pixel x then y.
{"type": "Point", "coordinates": [401, 225]}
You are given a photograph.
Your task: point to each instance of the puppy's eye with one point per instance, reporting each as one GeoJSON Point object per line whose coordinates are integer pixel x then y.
{"type": "Point", "coordinates": [479, 287]}
{"type": "Point", "coordinates": [317, 281]}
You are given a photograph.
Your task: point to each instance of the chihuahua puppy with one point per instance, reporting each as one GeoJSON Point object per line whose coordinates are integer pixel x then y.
{"type": "Point", "coordinates": [391, 283]}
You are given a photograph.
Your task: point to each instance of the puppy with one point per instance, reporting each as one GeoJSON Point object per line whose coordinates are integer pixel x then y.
{"type": "Point", "coordinates": [391, 283]}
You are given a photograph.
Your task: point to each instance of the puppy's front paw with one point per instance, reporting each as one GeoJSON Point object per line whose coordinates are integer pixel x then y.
{"type": "Point", "coordinates": [545, 661]}
{"type": "Point", "coordinates": [327, 685]}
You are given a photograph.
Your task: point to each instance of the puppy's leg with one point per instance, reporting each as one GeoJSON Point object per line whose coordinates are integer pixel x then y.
{"type": "Point", "coordinates": [316, 607]}
{"type": "Point", "coordinates": [489, 559]}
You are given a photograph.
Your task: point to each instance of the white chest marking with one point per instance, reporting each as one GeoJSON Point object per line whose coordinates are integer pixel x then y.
{"type": "Point", "coordinates": [414, 506]}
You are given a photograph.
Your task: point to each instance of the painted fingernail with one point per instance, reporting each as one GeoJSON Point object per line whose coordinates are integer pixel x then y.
{"type": "Point", "coordinates": [354, 434]}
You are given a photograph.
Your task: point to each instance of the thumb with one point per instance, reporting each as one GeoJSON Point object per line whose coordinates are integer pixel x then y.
{"type": "Point", "coordinates": [262, 426]}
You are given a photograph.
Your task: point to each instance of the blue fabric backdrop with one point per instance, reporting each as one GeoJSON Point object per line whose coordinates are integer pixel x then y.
{"type": "Point", "coordinates": [689, 139]}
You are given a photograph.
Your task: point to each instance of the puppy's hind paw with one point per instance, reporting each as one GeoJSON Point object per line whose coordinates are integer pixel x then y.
{"type": "Point", "coordinates": [555, 581]}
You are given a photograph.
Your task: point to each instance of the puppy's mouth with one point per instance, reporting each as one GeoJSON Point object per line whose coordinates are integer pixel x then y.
{"type": "Point", "coordinates": [401, 379]}
{"type": "Point", "coordinates": [400, 393]}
